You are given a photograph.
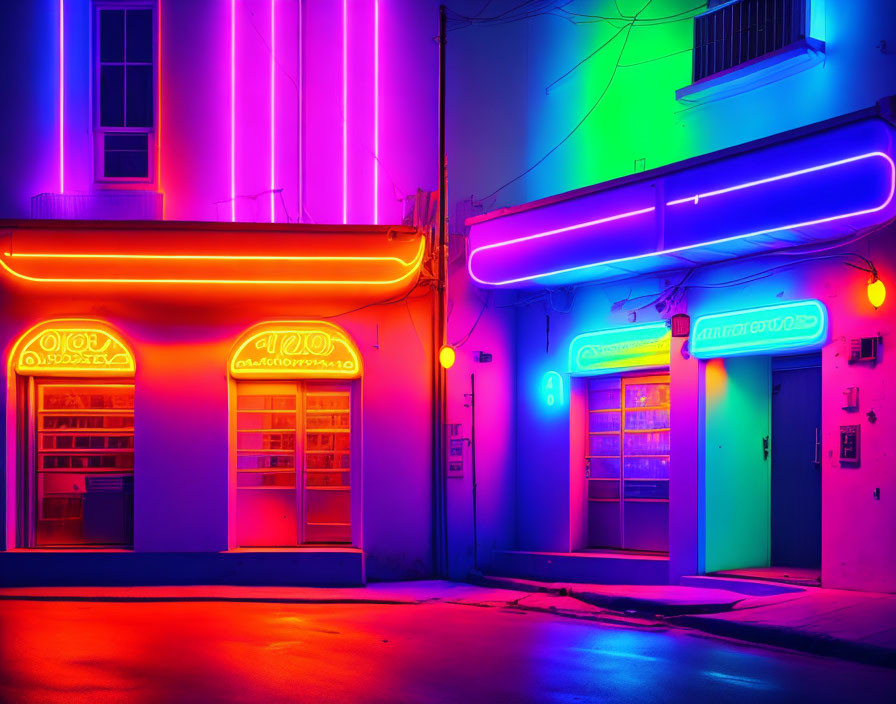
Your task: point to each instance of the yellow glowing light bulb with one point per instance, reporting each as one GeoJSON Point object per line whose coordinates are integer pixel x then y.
{"type": "Point", "coordinates": [447, 356]}
{"type": "Point", "coordinates": [877, 292]}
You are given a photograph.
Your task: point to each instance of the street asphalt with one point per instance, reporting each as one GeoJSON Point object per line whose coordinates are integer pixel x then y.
{"type": "Point", "coordinates": [430, 651]}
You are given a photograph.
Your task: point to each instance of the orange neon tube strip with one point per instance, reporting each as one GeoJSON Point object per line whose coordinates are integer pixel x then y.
{"type": "Point", "coordinates": [411, 265]}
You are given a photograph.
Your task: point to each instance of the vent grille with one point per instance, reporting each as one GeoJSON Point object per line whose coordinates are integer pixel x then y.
{"type": "Point", "coordinates": [740, 31]}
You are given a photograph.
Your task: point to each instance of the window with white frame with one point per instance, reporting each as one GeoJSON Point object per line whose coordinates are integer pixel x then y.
{"type": "Point", "coordinates": [79, 482]}
{"type": "Point", "coordinates": [125, 105]}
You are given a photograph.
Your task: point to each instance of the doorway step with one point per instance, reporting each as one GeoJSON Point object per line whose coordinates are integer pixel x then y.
{"type": "Point", "coordinates": [592, 567]}
{"type": "Point", "coordinates": [800, 576]}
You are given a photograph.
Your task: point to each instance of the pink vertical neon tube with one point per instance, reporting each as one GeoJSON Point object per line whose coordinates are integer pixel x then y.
{"type": "Point", "coordinates": [233, 110]}
{"type": "Point", "coordinates": [301, 115]}
{"type": "Point", "coordinates": [376, 111]}
{"type": "Point", "coordinates": [344, 111]}
{"type": "Point", "coordinates": [159, 106]}
{"type": "Point", "coordinates": [62, 96]}
{"type": "Point", "coordinates": [273, 61]}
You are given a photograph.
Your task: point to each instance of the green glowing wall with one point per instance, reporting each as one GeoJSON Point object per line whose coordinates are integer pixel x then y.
{"type": "Point", "coordinates": [541, 106]}
{"type": "Point", "coordinates": [736, 477]}
{"type": "Point", "coordinates": [636, 114]}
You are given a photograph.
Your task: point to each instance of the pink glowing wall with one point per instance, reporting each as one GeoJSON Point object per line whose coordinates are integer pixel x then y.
{"type": "Point", "coordinates": [350, 139]}
{"type": "Point", "coordinates": [353, 103]}
{"type": "Point", "coordinates": [181, 344]}
{"type": "Point", "coordinates": [857, 529]}
{"type": "Point", "coordinates": [311, 110]}
{"type": "Point", "coordinates": [476, 324]}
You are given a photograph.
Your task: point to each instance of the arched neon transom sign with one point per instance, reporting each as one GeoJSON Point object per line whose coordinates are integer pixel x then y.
{"type": "Point", "coordinates": [304, 348]}
{"type": "Point", "coordinates": [73, 348]}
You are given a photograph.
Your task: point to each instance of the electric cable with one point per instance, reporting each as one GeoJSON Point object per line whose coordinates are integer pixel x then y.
{"type": "Point", "coordinates": [465, 338]}
{"type": "Point", "coordinates": [590, 56]}
{"type": "Point", "coordinates": [574, 129]}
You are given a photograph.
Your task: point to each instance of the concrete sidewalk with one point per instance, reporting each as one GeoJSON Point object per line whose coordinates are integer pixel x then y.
{"type": "Point", "coordinates": [396, 593]}
{"type": "Point", "coordinates": [857, 626]}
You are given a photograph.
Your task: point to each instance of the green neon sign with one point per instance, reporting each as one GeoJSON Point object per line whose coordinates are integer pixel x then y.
{"type": "Point", "coordinates": [607, 351]}
{"type": "Point", "coordinates": [800, 325]}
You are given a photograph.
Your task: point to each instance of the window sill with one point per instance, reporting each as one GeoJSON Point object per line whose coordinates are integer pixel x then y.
{"type": "Point", "coordinates": [299, 549]}
{"type": "Point", "coordinates": [71, 550]}
{"type": "Point", "coordinates": [104, 204]}
{"type": "Point", "coordinates": [764, 70]}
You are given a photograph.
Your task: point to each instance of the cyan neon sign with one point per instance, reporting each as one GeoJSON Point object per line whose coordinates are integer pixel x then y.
{"type": "Point", "coordinates": [552, 389]}
{"type": "Point", "coordinates": [608, 351]}
{"type": "Point", "coordinates": [800, 325]}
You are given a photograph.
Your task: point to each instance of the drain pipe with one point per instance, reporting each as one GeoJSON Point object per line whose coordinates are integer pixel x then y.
{"type": "Point", "coordinates": [473, 468]}
{"type": "Point", "coordinates": [439, 488]}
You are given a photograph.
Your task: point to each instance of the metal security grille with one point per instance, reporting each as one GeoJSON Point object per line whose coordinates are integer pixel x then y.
{"type": "Point", "coordinates": [740, 31]}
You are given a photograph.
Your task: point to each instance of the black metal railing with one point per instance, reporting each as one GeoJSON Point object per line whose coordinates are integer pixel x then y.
{"type": "Point", "coordinates": [737, 32]}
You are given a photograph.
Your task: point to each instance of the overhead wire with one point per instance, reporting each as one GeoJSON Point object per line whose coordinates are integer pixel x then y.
{"type": "Point", "coordinates": [667, 19]}
{"type": "Point", "coordinates": [533, 8]}
{"type": "Point", "coordinates": [574, 129]}
{"type": "Point", "coordinates": [465, 338]}
{"type": "Point", "coordinates": [587, 58]}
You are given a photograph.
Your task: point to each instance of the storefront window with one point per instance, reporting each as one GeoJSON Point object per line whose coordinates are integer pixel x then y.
{"type": "Point", "coordinates": [293, 463]}
{"type": "Point", "coordinates": [628, 462]}
{"type": "Point", "coordinates": [82, 463]}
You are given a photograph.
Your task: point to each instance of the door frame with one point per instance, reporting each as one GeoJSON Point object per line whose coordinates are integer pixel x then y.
{"type": "Point", "coordinates": [26, 457]}
{"type": "Point", "coordinates": [626, 378]}
{"type": "Point", "coordinates": [784, 363]}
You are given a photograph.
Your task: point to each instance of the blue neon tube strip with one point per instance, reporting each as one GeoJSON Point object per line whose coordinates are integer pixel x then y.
{"type": "Point", "coordinates": [824, 193]}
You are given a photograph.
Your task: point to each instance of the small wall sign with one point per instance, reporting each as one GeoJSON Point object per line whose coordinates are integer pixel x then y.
{"type": "Point", "coordinates": [608, 351]}
{"type": "Point", "coordinates": [850, 436]}
{"type": "Point", "coordinates": [681, 325]}
{"type": "Point", "coordinates": [800, 325]}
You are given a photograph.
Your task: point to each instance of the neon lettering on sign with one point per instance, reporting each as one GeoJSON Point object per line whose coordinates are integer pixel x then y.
{"type": "Point", "coordinates": [607, 351]}
{"type": "Point", "coordinates": [70, 348]}
{"type": "Point", "coordinates": [308, 348]}
{"type": "Point", "coordinates": [552, 388]}
{"type": "Point", "coordinates": [788, 326]}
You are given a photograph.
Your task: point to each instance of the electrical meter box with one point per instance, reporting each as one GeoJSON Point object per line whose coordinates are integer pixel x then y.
{"type": "Point", "coordinates": [849, 443]}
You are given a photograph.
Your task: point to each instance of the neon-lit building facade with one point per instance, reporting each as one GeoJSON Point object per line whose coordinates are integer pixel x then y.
{"type": "Point", "coordinates": [676, 273]}
{"type": "Point", "coordinates": [217, 333]}
{"type": "Point", "coordinates": [223, 275]}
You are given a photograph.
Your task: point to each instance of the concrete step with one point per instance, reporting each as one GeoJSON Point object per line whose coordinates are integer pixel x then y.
{"type": "Point", "coordinates": [748, 587]}
{"type": "Point", "coordinates": [653, 600]}
{"type": "Point", "coordinates": [583, 567]}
